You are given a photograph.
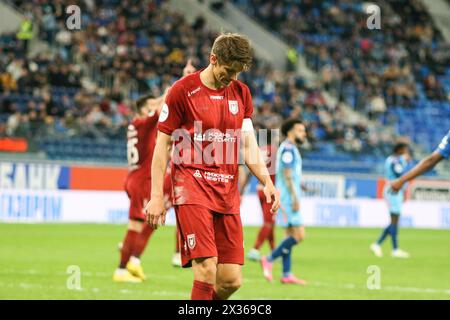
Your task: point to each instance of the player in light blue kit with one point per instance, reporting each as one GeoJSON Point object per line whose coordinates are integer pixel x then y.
{"type": "Point", "coordinates": [395, 165]}
{"type": "Point", "coordinates": [288, 182]}
{"type": "Point", "coordinates": [442, 151]}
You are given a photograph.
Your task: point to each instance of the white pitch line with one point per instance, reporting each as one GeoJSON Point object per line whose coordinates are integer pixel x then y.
{"type": "Point", "coordinates": [349, 286]}
{"type": "Point", "coordinates": [83, 274]}
{"type": "Point", "coordinates": [352, 286]}
{"type": "Point", "coordinates": [29, 286]}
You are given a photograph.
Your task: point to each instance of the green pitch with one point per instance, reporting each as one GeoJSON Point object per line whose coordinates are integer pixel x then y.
{"type": "Point", "coordinates": [34, 260]}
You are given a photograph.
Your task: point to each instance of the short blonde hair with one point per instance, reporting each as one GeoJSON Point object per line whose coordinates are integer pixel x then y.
{"type": "Point", "coordinates": [233, 49]}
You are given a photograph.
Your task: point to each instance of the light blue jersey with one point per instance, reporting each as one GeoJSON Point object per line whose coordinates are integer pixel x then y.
{"type": "Point", "coordinates": [444, 147]}
{"type": "Point", "coordinates": [394, 167]}
{"type": "Point", "coordinates": [288, 157]}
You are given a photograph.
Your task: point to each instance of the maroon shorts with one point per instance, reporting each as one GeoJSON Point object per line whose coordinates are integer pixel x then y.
{"type": "Point", "coordinates": [205, 233]}
{"type": "Point", "coordinates": [138, 190]}
{"type": "Point", "coordinates": [139, 194]}
{"type": "Point", "coordinates": [267, 215]}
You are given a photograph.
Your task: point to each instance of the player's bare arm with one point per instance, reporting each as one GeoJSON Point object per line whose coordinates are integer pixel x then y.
{"type": "Point", "coordinates": [155, 211]}
{"type": "Point", "coordinates": [255, 162]}
{"type": "Point", "coordinates": [244, 178]}
{"type": "Point", "coordinates": [287, 173]}
{"type": "Point", "coordinates": [423, 166]}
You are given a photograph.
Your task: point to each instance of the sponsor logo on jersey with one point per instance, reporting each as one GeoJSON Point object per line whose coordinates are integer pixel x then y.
{"type": "Point", "coordinates": [216, 97]}
{"type": "Point", "coordinates": [191, 241]}
{"type": "Point", "coordinates": [197, 174]}
{"type": "Point", "coordinates": [218, 177]}
{"type": "Point", "coordinates": [213, 176]}
{"type": "Point", "coordinates": [233, 106]}
{"type": "Point", "coordinates": [214, 136]}
{"type": "Point", "coordinates": [191, 93]}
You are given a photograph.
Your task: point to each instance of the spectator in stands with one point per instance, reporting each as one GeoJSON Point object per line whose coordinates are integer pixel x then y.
{"type": "Point", "coordinates": [127, 48]}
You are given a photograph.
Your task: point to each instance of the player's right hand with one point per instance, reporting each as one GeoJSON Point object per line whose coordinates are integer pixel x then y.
{"type": "Point", "coordinates": [272, 196]}
{"type": "Point", "coordinates": [155, 212]}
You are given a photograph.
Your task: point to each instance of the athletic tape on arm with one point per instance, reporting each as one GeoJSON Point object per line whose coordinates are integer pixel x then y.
{"type": "Point", "coordinates": [247, 125]}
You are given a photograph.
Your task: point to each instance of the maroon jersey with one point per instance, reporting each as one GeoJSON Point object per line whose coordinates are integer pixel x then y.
{"type": "Point", "coordinates": [140, 146]}
{"type": "Point", "coordinates": [205, 161]}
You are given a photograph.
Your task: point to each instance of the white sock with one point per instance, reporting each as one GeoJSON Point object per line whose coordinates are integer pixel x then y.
{"type": "Point", "coordinates": [121, 271]}
{"type": "Point", "coordinates": [135, 261]}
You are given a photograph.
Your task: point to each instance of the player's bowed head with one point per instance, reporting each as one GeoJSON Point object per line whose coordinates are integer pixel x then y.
{"type": "Point", "coordinates": [231, 54]}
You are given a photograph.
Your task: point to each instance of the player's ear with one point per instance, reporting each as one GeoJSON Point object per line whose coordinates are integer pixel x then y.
{"type": "Point", "coordinates": [213, 59]}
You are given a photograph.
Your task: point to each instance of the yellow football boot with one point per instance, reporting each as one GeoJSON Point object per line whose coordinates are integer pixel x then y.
{"type": "Point", "coordinates": [123, 275]}
{"type": "Point", "coordinates": [135, 268]}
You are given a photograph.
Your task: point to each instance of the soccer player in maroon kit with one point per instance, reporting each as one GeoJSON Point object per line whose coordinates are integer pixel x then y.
{"type": "Point", "coordinates": [141, 137]}
{"type": "Point", "coordinates": [209, 108]}
{"type": "Point", "coordinates": [140, 147]}
{"type": "Point", "coordinates": [267, 231]}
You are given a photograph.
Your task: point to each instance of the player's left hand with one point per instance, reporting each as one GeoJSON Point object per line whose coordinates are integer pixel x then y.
{"type": "Point", "coordinates": [155, 212]}
{"type": "Point", "coordinates": [272, 196]}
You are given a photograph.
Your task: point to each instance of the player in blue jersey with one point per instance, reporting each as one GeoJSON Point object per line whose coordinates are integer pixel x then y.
{"type": "Point", "coordinates": [395, 165]}
{"type": "Point", "coordinates": [442, 151]}
{"type": "Point", "coordinates": [288, 181]}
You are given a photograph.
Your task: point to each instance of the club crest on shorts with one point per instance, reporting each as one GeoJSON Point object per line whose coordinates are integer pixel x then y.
{"type": "Point", "coordinates": [191, 241]}
{"type": "Point", "coordinates": [233, 106]}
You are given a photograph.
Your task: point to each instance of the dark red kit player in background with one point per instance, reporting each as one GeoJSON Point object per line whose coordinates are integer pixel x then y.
{"type": "Point", "coordinates": [141, 139]}
{"type": "Point", "coordinates": [267, 231]}
{"type": "Point", "coordinates": [209, 108]}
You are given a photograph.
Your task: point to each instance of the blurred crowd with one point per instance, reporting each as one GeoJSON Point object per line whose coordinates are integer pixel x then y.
{"type": "Point", "coordinates": [85, 83]}
{"type": "Point", "coordinates": [369, 69]}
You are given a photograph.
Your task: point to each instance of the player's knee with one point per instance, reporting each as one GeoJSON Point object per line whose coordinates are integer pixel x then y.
{"type": "Point", "coordinates": [205, 269]}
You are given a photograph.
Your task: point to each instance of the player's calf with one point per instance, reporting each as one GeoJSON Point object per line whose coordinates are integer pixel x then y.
{"type": "Point", "coordinates": [205, 270]}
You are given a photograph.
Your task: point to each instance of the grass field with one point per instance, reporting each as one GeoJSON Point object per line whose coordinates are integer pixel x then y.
{"type": "Point", "coordinates": [34, 261]}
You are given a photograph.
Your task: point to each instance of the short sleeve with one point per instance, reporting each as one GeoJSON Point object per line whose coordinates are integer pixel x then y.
{"type": "Point", "coordinates": [397, 168]}
{"type": "Point", "coordinates": [287, 158]}
{"type": "Point", "coordinates": [171, 115]}
{"type": "Point", "coordinates": [248, 103]}
{"type": "Point", "coordinates": [444, 147]}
